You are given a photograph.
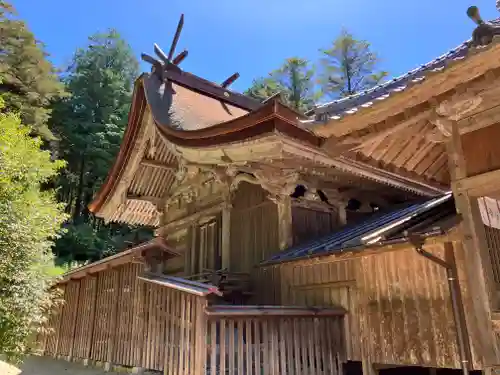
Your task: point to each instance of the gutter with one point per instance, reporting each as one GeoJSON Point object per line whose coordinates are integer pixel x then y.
{"type": "Point", "coordinates": [457, 307]}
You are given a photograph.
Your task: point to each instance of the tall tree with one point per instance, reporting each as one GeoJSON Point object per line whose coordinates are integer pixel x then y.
{"type": "Point", "coordinates": [29, 221]}
{"type": "Point", "coordinates": [29, 82]}
{"type": "Point", "coordinates": [90, 125]}
{"type": "Point", "coordinates": [263, 88]}
{"type": "Point", "coordinates": [349, 67]}
{"type": "Point", "coordinates": [294, 80]}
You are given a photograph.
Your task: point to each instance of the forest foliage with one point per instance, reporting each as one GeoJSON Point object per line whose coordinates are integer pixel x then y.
{"type": "Point", "coordinates": [30, 219]}
{"type": "Point", "coordinates": [347, 67]}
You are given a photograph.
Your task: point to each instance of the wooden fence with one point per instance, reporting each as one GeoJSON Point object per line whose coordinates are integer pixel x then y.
{"type": "Point", "coordinates": [116, 317]}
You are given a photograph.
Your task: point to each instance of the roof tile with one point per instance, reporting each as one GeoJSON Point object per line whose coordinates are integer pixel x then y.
{"type": "Point", "coordinates": [391, 224]}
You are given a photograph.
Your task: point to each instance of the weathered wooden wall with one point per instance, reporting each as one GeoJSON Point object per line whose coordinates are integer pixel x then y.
{"type": "Point", "coordinates": [485, 158]}
{"type": "Point", "coordinates": [275, 345]}
{"type": "Point", "coordinates": [254, 228]}
{"type": "Point", "coordinates": [115, 317]}
{"type": "Point", "coordinates": [205, 246]}
{"type": "Point", "coordinates": [308, 223]}
{"type": "Point", "coordinates": [398, 303]}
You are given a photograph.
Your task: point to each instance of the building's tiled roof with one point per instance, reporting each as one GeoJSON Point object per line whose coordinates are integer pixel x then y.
{"type": "Point", "coordinates": [343, 107]}
{"type": "Point", "coordinates": [179, 283]}
{"type": "Point", "coordinates": [418, 217]}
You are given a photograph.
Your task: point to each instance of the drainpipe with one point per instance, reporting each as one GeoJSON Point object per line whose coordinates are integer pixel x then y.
{"type": "Point", "coordinates": [454, 288]}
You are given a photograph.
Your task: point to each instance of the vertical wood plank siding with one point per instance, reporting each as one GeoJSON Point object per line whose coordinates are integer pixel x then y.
{"type": "Point", "coordinates": [398, 303]}
{"type": "Point", "coordinates": [254, 228]}
{"type": "Point", "coordinates": [274, 345]}
{"type": "Point", "coordinates": [308, 223]}
{"type": "Point", "coordinates": [114, 317]}
{"type": "Point", "coordinates": [206, 246]}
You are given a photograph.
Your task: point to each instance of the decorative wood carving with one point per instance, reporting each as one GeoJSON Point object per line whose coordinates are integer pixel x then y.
{"type": "Point", "coordinates": [458, 108]}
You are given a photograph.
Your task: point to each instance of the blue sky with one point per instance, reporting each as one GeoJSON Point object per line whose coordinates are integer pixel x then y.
{"type": "Point", "coordinates": [253, 37]}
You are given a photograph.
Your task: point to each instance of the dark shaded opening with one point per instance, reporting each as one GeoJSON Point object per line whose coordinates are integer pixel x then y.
{"type": "Point", "coordinates": [300, 191]}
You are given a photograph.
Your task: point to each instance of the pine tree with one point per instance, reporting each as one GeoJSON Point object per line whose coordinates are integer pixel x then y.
{"type": "Point", "coordinates": [294, 80]}
{"type": "Point", "coordinates": [349, 67]}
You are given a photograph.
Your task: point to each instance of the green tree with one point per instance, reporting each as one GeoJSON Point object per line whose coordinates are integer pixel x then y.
{"type": "Point", "coordinates": [29, 222]}
{"type": "Point", "coordinates": [294, 80]}
{"type": "Point", "coordinates": [29, 82]}
{"type": "Point", "coordinates": [90, 125]}
{"type": "Point", "coordinates": [348, 67]}
{"type": "Point", "coordinates": [263, 88]}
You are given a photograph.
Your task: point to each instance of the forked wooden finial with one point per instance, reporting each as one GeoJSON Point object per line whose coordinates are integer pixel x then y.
{"type": "Point", "coordinates": [177, 35]}
{"type": "Point", "coordinates": [230, 80]}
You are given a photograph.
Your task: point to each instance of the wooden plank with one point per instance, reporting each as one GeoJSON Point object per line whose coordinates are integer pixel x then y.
{"type": "Point", "coordinates": [226, 235]}
{"type": "Point", "coordinates": [223, 346]}
{"type": "Point", "coordinates": [76, 300]}
{"type": "Point", "coordinates": [479, 185]}
{"type": "Point", "coordinates": [231, 348]}
{"type": "Point", "coordinates": [171, 333]}
{"type": "Point", "coordinates": [250, 344]}
{"type": "Point", "coordinates": [282, 347]}
{"type": "Point", "coordinates": [213, 347]}
{"type": "Point", "coordinates": [259, 368]}
{"type": "Point", "coordinates": [116, 279]}
{"type": "Point", "coordinates": [240, 345]}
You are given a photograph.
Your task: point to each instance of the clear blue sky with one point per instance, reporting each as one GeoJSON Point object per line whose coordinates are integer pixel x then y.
{"type": "Point", "coordinates": [253, 37]}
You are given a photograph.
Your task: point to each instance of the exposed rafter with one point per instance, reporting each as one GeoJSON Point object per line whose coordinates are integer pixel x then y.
{"type": "Point", "coordinates": [158, 164]}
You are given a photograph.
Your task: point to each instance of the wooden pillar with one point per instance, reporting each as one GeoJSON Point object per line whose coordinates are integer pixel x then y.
{"type": "Point", "coordinates": [90, 340]}
{"type": "Point", "coordinates": [75, 319]}
{"type": "Point", "coordinates": [342, 212]}
{"type": "Point", "coordinates": [200, 323]}
{"type": "Point", "coordinates": [478, 270]}
{"type": "Point", "coordinates": [368, 368]}
{"type": "Point", "coordinates": [59, 324]}
{"type": "Point", "coordinates": [226, 234]}
{"type": "Point", "coordinates": [114, 322]}
{"type": "Point", "coordinates": [284, 204]}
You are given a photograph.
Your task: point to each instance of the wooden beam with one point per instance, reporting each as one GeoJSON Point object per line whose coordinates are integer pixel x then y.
{"type": "Point", "coordinates": [180, 57]}
{"type": "Point", "coordinates": [285, 230]}
{"type": "Point", "coordinates": [212, 90]}
{"type": "Point", "coordinates": [226, 234]}
{"type": "Point", "coordinates": [476, 256]}
{"type": "Point", "coordinates": [177, 35]}
{"type": "Point", "coordinates": [158, 164]}
{"type": "Point", "coordinates": [145, 198]}
{"type": "Point", "coordinates": [230, 80]}
{"type": "Point", "coordinates": [470, 71]}
{"type": "Point", "coordinates": [479, 185]}
{"type": "Point", "coordinates": [386, 129]}
{"type": "Point", "coordinates": [188, 219]}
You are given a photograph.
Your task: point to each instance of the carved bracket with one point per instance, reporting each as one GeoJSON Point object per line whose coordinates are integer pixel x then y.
{"type": "Point", "coordinates": [456, 109]}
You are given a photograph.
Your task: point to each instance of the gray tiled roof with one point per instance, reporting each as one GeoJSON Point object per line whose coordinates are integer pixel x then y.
{"type": "Point", "coordinates": [423, 215]}
{"type": "Point", "coordinates": [343, 107]}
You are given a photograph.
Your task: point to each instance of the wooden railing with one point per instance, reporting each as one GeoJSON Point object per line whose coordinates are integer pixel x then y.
{"type": "Point", "coordinates": [259, 344]}
{"type": "Point", "coordinates": [118, 317]}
